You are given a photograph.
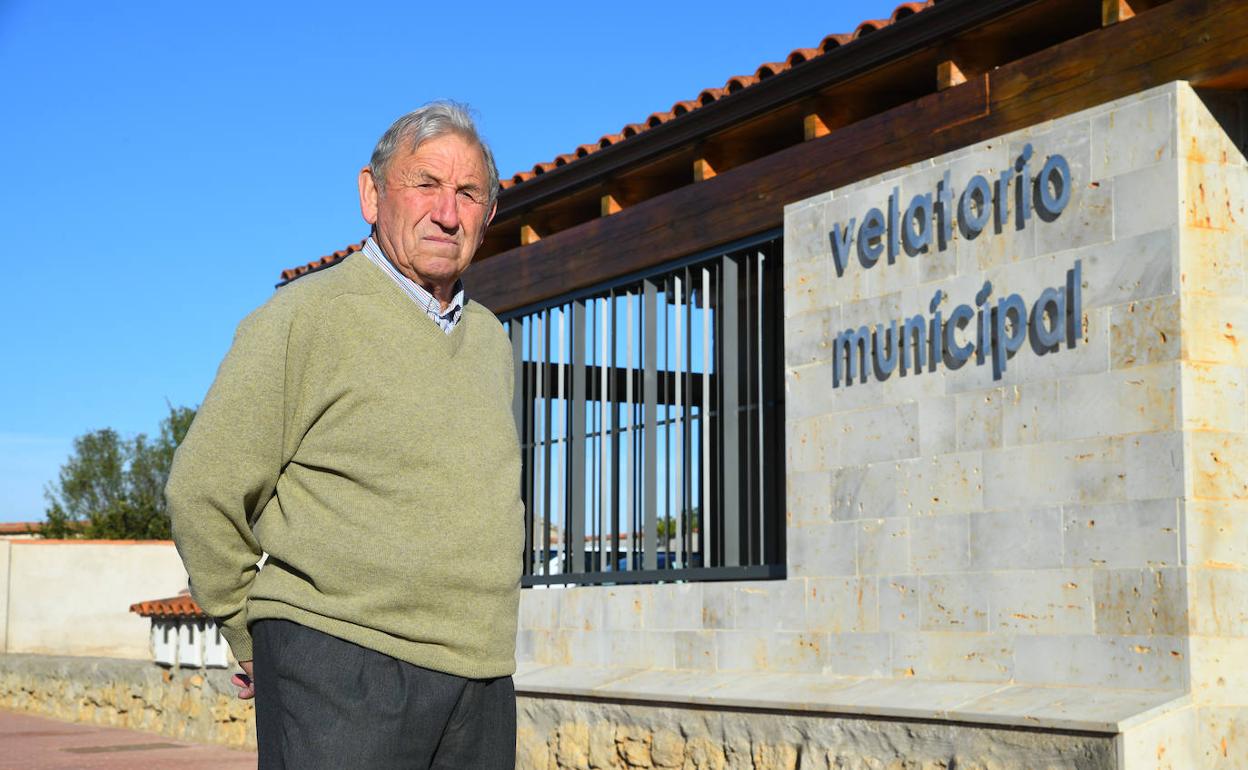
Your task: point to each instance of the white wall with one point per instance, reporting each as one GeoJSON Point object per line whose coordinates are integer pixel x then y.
{"type": "Point", "coordinates": [74, 597]}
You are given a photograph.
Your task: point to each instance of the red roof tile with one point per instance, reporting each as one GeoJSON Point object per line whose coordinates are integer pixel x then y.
{"type": "Point", "coordinates": [325, 261]}
{"type": "Point", "coordinates": [180, 606]}
{"type": "Point", "coordinates": [733, 85]}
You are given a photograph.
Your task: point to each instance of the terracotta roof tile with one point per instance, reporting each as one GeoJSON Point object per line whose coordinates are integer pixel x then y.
{"type": "Point", "coordinates": [180, 606]}
{"type": "Point", "coordinates": [325, 261]}
{"type": "Point", "coordinates": [733, 85]}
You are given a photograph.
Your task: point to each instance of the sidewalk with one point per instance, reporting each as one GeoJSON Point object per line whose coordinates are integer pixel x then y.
{"type": "Point", "coordinates": [37, 743]}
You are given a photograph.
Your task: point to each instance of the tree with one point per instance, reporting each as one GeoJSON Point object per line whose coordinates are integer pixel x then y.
{"type": "Point", "coordinates": [113, 488]}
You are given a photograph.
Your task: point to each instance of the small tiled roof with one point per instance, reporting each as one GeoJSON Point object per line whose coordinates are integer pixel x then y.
{"type": "Point", "coordinates": [733, 85]}
{"type": "Point", "coordinates": [325, 261]}
{"type": "Point", "coordinates": [180, 606]}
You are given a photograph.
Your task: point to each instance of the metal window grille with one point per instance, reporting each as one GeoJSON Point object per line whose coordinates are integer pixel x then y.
{"type": "Point", "coordinates": [650, 414]}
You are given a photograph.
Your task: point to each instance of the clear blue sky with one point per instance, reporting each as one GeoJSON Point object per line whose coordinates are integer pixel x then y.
{"type": "Point", "coordinates": [161, 163]}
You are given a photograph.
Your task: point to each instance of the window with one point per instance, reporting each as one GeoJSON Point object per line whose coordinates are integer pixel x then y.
{"type": "Point", "coordinates": [651, 421]}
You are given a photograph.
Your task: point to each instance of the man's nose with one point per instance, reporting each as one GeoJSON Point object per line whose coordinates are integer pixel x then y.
{"type": "Point", "coordinates": [445, 213]}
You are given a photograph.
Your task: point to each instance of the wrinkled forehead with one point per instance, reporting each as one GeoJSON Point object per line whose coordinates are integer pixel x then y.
{"type": "Point", "coordinates": [447, 153]}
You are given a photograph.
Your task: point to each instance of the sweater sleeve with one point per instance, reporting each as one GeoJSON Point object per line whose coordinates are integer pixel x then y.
{"type": "Point", "coordinates": [226, 469]}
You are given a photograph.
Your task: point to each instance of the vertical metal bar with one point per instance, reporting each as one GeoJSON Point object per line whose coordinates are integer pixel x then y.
{"type": "Point", "coordinates": [729, 417]}
{"type": "Point", "coordinates": [548, 427]}
{"type": "Point", "coordinates": [705, 424]}
{"type": "Point", "coordinates": [539, 469]}
{"type": "Point", "coordinates": [626, 448]}
{"type": "Point", "coordinates": [686, 406]}
{"type": "Point", "coordinates": [613, 399]}
{"type": "Point", "coordinates": [650, 387]}
{"type": "Point", "coordinates": [576, 443]}
{"type": "Point", "coordinates": [561, 478]}
{"type": "Point", "coordinates": [757, 468]}
{"type": "Point", "coordinates": [604, 469]}
{"type": "Point", "coordinates": [676, 423]}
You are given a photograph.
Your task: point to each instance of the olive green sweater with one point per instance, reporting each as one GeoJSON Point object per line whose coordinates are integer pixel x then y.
{"type": "Point", "coordinates": [374, 458]}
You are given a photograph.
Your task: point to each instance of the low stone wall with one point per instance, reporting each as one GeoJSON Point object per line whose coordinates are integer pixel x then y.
{"type": "Point", "coordinates": [577, 734]}
{"type": "Point", "coordinates": [188, 704]}
{"type": "Point", "coordinates": [566, 733]}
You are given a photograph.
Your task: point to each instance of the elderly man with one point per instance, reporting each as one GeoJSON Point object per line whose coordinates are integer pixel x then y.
{"type": "Point", "coordinates": [360, 433]}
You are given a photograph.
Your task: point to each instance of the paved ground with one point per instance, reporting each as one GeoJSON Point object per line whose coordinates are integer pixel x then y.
{"type": "Point", "coordinates": [36, 743]}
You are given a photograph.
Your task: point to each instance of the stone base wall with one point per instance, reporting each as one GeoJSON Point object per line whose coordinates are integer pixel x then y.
{"type": "Point", "coordinates": [575, 734]}
{"type": "Point", "coordinates": [187, 704]}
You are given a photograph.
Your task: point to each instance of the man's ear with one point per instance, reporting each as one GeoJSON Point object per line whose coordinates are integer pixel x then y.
{"type": "Point", "coordinates": [493, 211]}
{"type": "Point", "coordinates": [368, 195]}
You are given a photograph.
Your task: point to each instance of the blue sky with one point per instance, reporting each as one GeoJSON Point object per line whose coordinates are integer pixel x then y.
{"type": "Point", "coordinates": [163, 162]}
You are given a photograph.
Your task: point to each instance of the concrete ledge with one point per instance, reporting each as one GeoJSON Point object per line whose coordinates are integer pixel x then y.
{"type": "Point", "coordinates": [1068, 709]}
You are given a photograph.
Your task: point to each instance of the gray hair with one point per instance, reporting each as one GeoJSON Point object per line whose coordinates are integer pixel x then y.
{"type": "Point", "coordinates": [422, 124]}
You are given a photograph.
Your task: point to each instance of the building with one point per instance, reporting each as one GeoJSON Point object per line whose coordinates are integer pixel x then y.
{"type": "Point", "coordinates": [923, 350]}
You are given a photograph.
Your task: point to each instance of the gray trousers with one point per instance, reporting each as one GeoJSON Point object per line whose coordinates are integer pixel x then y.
{"type": "Point", "coordinates": [325, 703]}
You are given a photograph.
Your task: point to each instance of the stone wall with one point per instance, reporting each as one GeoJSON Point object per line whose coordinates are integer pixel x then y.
{"type": "Point", "coordinates": [570, 734]}
{"type": "Point", "coordinates": [192, 705]}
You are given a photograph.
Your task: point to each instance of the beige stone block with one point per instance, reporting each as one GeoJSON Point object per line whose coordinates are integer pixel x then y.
{"type": "Point", "coordinates": [1214, 329]}
{"type": "Point", "coordinates": [864, 491]}
{"type": "Point", "coordinates": [883, 546]}
{"type": "Point", "coordinates": [1222, 738]}
{"type": "Point", "coordinates": [953, 656]}
{"type": "Point", "coordinates": [1218, 602]}
{"type": "Point", "coordinates": [1133, 135]}
{"type": "Point", "coordinates": [805, 286]}
{"type": "Point", "coordinates": [823, 549]}
{"type": "Point", "coordinates": [1167, 742]}
{"type": "Point", "coordinates": [775, 604]}
{"type": "Point", "coordinates": [1140, 601]}
{"type": "Point", "coordinates": [955, 602]}
{"type": "Point", "coordinates": [674, 606]}
{"type": "Point", "coordinates": [808, 337]}
{"type": "Point", "coordinates": [1026, 408]}
{"type": "Point", "coordinates": [1213, 261]}
{"type": "Point", "coordinates": [1215, 397]}
{"type": "Point", "coordinates": [1217, 534]}
{"type": "Point", "coordinates": [842, 605]}
{"type": "Point", "coordinates": [1041, 602]}
{"type": "Point", "coordinates": [695, 650]}
{"type": "Point", "coordinates": [625, 606]}
{"type": "Point", "coordinates": [947, 483]}
{"type": "Point", "coordinates": [979, 421]}
{"type": "Point", "coordinates": [1155, 466]}
{"type": "Point", "coordinates": [805, 237]}
{"type": "Point", "coordinates": [1084, 471]}
{"type": "Point", "coordinates": [804, 445]}
{"type": "Point", "coordinates": [1219, 465]}
{"type": "Point", "coordinates": [1144, 332]}
{"type": "Point", "coordinates": [1213, 196]}
{"type": "Point", "coordinates": [871, 435]}
{"type": "Point", "coordinates": [1219, 675]}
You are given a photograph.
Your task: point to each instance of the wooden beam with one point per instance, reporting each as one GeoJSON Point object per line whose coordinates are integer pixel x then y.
{"type": "Point", "coordinates": [948, 74]}
{"type": "Point", "coordinates": [528, 235]}
{"type": "Point", "coordinates": [1196, 40]}
{"type": "Point", "coordinates": [1114, 11]}
{"type": "Point", "coordinates": [610, 205]}
{"type": "Point", "coordinates": [702, 170]}
{"type": "Point", "coordinates": [813, 127]}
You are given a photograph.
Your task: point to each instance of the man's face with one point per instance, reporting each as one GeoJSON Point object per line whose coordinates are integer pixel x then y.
{"type": "Point", "coordinates": [431, 216]}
